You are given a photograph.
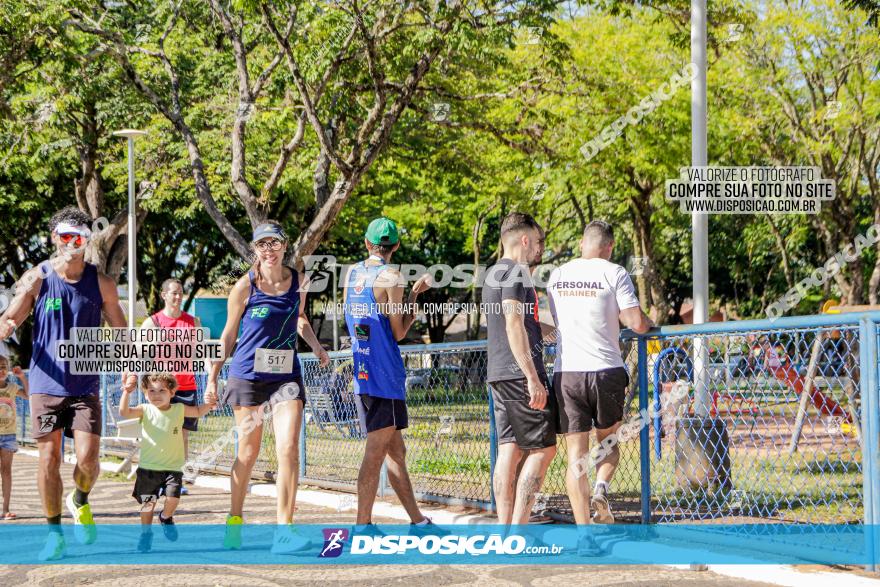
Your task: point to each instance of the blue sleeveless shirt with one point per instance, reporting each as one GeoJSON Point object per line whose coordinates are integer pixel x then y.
{"type": "Point", "coordinates": [268, 322]}
{"type": "Point", "coordinates": [378, 366]}
{"type": "Point", "coordinates": [61, 306]}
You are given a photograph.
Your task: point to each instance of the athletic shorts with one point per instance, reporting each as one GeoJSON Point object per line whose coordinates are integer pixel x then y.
{"type": "Point", "coordinates": [50, 413]}
{"type": "Point", "coordinates": [376, 413]}
{"type": "Point", "coordinates": [149, 485]}
{"type": "Point", "coordinates": [187, 397]}
{"type": "Point", "coordinates": [8, 442]}
{"type": "Point", "coordinates": [589, 399]}
{"type": "Point", "coordinates": [516, 422]}
{"type": "Point", "coordinates": [247, 393]}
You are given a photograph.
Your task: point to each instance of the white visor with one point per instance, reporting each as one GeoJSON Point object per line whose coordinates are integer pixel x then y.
{"type": "Point", "coordinates": [79, 229]}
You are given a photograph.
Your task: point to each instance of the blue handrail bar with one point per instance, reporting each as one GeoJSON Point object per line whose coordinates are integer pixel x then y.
{"type": "Point", "coordinates": [785, 323]}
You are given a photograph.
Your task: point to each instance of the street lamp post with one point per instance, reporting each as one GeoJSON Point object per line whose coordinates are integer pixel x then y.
{"type": "Point", "coordinates": [700, 222]}
{"type": "Point", "coordinates": [131, 135]}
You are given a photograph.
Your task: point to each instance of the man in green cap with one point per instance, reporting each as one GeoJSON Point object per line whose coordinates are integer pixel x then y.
{"type": "Point", "coordinates": [377, 318]}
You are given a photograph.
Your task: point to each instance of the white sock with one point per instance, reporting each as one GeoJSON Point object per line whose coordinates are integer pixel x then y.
{"type": "Point", "coordinates": [424, 522]}
{"type": "Point", "coordinates": [604, 485]}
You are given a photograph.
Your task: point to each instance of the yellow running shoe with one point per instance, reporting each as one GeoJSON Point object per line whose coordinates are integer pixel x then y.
{"type": "Point", "coordinates": [55, 547]}
{"type": "Point", "coordinates": [84, 528]}
{"type": "Point", "coordinates": [232, 538]}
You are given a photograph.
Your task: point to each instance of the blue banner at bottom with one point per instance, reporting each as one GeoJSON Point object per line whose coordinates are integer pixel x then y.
{"type": "Point", "coordinates": [199, 544]}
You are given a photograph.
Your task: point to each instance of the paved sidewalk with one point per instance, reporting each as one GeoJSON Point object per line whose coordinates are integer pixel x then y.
{"type": "Point", "coordinates": [112, 503]}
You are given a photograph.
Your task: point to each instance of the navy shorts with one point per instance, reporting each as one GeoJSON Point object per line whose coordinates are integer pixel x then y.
{"type": "Point", "coordinates": [247, 393]}
{"type": "Point", "coordinates": [376, 413]}
{"type": "Point", "coordinates": [187, 397]}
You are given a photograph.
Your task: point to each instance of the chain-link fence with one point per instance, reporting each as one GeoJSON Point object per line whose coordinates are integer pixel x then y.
{"type": "Point", "coordinates": [447, 441]}
{"type": "Point", "coordinates": [749, 425]}
{"type": "Point", "coordinates": [736, 422]}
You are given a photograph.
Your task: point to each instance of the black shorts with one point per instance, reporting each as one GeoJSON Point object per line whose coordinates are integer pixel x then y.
{"type": "Point", "coordinates": [376, 413]}
{"type": "Point", "coordinates": [516, 422]}
{"type": "Point", "coordinates": [247, 393]}
{"type": "Point", "coordinates": [51, 412]}
{"type": "Point", "coordinates": [589, 399]}
{"type": "Point", "coordinates": [187, 397]}
{"type": "Point", "coordinates": [149, 485]}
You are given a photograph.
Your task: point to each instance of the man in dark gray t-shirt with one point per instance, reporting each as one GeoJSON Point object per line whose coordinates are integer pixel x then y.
{"type": "Point", "coordinates": [511, 281]}
{"type": "Point", "coordinates": [526, 417]}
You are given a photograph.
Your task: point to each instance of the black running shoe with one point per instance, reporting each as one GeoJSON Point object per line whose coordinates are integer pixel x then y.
{"type": "Point", "coordinates": [168, 528]}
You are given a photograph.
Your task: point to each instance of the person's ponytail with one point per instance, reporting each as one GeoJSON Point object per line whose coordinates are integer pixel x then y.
{"type": "Point", "coordinates": [255, 268]}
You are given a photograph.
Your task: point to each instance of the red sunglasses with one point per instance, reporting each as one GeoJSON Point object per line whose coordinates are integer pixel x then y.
{"type": "Point", "coordinates": [77, 239]}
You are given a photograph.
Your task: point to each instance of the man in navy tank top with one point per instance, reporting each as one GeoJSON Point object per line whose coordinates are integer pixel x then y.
{"type": "Point", "coordinates": [377, 318]}
{"type": "Point", "coordinates": [64, 292]}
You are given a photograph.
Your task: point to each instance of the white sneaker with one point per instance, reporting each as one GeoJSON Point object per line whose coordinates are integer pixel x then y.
{"type": "Point", "coordinates": [54, 549]}
{"type": "Point", "coordinates": [599, 503]}
{"type": "Point", "coordinates": [288, 540]}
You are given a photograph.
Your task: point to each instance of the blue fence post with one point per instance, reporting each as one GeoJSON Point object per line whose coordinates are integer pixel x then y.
{"type": "Point", "coordinates": [493, 451]}
{"type": "Point", "coordinates": [644, 433]}
{"type": "Point", "coordinates": [302, 448]}
{"type": "Point", "coordinates": [104, 400]}
{"type": "Point", "coordinates": [870, 416]}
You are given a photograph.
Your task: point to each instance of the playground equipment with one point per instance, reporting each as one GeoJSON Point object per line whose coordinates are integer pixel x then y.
{"type": "Point", "coordinates": [805, 386]}
{"type": "Point", "coordinates": [775, 363]}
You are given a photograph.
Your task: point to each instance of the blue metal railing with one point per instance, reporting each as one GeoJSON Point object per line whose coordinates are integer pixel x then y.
{"type": "Point", "coordinates": [833, 477]}
{"type": "Point", "coordinates": [782, 341]}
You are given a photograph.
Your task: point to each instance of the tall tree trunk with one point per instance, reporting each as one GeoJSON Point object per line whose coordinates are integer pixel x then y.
{"type": "Point", "coordinates": [653, 295]}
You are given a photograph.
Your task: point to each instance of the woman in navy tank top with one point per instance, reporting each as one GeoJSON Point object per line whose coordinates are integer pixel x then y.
{"type": "Point", "coordinates": [266, 312]}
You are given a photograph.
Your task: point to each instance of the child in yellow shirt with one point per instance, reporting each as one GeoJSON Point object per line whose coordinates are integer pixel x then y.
{"type": "Point", "coordinates": [162, 456]}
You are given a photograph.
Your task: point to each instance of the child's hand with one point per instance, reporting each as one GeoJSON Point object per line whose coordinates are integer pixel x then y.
{"type": "Point", "coordinates": [211, 400]}
{"type": "Point", "coordinates": [129, 382]}
{"type": "Point", "coordinates": [18, 371]}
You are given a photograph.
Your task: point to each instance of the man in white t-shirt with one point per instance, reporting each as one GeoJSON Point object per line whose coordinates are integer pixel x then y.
{"type": "Point", "coordinates": [589, 297]}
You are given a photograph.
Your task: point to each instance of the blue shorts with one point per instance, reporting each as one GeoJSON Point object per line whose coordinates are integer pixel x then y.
{"type": "Point", "coordinates": [8, 442]}
{"type": "Point", "coordinates": [376, 413]}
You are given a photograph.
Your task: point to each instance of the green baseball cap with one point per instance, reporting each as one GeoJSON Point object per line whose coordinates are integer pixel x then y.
{"type": "Point", "coordinates": [382, 231]}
